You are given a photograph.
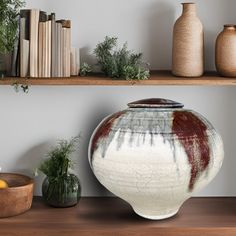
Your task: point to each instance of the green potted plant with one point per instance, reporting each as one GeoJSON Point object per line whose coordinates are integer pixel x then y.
{"type": "Point", "coordinates": [120, 63]}
{"type": "Point", "coordinates": [9, 26]}
{"type": "Point", "coordinates": [60, 188]}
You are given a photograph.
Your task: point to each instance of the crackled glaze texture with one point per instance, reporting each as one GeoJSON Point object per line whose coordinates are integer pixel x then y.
{"type": "Point", "coordinates": [154, 155]}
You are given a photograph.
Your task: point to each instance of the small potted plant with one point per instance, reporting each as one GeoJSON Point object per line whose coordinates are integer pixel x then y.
{"type": "Point", "coordinates": [60, 188]}
{"type": "Point", "coordinates": [9, 26]}
{"type": "Point", "coordinates": [120, 63]}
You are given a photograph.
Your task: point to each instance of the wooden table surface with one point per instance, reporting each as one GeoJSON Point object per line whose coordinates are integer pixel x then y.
{"type": "Point", "coordinates": [112, 216]}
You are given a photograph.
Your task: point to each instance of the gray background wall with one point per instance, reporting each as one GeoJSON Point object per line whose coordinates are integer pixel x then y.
{"type": "Point", "coordinates": [30, 124]}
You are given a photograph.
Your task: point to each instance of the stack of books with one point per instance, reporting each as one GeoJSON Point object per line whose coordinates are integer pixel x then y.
{"type": "Point", "coordinates": [45, 46]}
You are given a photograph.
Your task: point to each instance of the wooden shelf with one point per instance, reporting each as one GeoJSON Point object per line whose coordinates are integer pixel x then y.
{"type": "Point", "coordinates": [157, 78]}
{"type": "Point", "coordinates": [112, 216]}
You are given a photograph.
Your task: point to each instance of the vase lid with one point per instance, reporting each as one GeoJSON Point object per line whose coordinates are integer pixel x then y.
{"type": "Point", "coordinates": [155, 103]}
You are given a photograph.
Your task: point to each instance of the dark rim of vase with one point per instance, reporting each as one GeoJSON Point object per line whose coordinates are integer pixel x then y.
{"type": "Point", "coordinates": [188, 3]}
{"type": "Point", "coordinates": [155, 103]}
{"type": "Point", "coordinates": [229, 26]}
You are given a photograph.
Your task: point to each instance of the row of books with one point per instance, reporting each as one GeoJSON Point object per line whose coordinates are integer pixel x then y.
{"type": "Point", "coordinates": [45, 46]}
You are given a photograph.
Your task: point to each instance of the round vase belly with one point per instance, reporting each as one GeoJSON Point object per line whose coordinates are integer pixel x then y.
{"type": "Point", "coordinates": [154, 155]}
{"type": "Point", "coordinates": [225, 58]}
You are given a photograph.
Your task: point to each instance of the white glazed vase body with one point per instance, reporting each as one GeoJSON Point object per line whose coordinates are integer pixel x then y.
{"type": "Point", "coordinates": [188, 44]}
{"type": "Point", "coordinates": [154, 155]}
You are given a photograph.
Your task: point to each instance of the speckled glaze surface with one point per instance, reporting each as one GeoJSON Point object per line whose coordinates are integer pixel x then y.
{"type": "Point", "coordinates": [154, 155]}
{"type": "Point", "coordinates": [225, 59]}
{"type": "Point", "coordinates": [188, 44]}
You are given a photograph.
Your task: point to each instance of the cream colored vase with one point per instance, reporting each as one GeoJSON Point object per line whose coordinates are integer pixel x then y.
{"type": "Point", "coordinates": [188, 44]}
{"type": "Point", "coordinates": [226, 52]}
{"type": "Point", "coordinates": [155, 155]}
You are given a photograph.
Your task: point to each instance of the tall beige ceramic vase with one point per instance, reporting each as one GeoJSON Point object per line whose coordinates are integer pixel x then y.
{"type": "Point", "coordinates": [226, 52]}
{"type": "Point", "coordinates": [188, 44]}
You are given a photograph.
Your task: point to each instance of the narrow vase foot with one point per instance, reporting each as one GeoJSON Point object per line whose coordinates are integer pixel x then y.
{"type": "Point", "coordinates": [158, 216]}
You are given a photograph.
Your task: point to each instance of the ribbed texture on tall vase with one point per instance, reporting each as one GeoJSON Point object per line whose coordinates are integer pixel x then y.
{"type": "Point", "coordinates": [155, 155]}
{"type": "Point", "coordinates": [226, 52]}
{"type": "Point", "coordinates": [188, 44]}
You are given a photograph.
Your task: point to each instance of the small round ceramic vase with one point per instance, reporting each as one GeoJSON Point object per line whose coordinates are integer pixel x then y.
{"type": "Point", "coordinates": [226, 52]}
{"type": "Point", "coordinates": [155, 155]}
{"type": "Point", "coordinates": [63, 192]}
{"type": "Point", "coordinates": [188, 44]}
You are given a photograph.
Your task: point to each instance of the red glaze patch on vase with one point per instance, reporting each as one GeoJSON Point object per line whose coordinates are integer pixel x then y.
{"type": "Point", "coordinates": [104, 129]}
{"type": "Point", "coordinates": [192, 134]}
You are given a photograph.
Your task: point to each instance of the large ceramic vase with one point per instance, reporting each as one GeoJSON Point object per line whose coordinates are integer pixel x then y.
{"type": "Point", "coordinates": [188, 44]}
{"type": "Point", "coordinates": [155, 155]}
{"type": "Point", "coordinates": [226, 52]}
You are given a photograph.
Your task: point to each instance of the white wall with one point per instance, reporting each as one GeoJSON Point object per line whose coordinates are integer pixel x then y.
{"type": "Point", "coordinates": [30, 124]}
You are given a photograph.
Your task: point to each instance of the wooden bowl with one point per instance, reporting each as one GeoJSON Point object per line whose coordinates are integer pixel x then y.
{"type": "Point", "coordinates": [17, 198]}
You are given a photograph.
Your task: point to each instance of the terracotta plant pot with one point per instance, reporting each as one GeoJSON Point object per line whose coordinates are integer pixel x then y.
{"type": "Point", "coordinates": [226, 52]}
{"type": "Point", "coordinates": [17, 198]}
{"type": "Point", "coordinates": [155, 155]}
{"type": "Point", "coordinates": [188, 44]}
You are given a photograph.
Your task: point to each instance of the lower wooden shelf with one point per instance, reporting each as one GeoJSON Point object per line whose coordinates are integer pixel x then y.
{"type": "Point", "coordinates": [112, 216]}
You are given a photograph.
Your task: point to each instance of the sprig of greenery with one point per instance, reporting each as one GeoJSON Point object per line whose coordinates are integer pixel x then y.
{"type": "Point", "coordinates": [122, 63]}
{"type": "Point", "coordinates": [85, 68]}
{"type": "Point", "coordinates": [17, 87]}
{"type": "Point", "coordinates": [59, 160]}
{"type": "Point", "coordinates": [135, 73]}
{"type": "Point", "coordinates": [9, 15]}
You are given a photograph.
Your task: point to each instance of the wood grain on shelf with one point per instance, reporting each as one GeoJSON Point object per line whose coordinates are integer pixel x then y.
{"type": "Point", "coordinates": [157, 78]}
{"type": "Point", "coordinates": [112, 216]}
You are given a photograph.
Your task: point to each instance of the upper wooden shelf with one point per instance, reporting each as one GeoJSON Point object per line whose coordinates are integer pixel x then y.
{"type": "Point", "coordinates": [157, 78]}
{"type": "Point", "coordinates": [112, 216]}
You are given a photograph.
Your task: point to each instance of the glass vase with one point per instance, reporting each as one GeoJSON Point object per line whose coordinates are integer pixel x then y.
{"type": "Point", "coordinates": [62, 192]}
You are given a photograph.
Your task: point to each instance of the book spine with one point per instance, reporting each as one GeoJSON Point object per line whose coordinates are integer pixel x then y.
{"type": "Point", "coordinates": [74, 62]}
{"type": "Point", "coordinates": [34, 22]}
{"type": "Point", "coordinates": [66, 24]}
{"type": "Point", "coordinates": [25, 13]}
{"type": "Point", "coordinates": [65, 47]}
{"type": "Point", "coordinates": [49, 51]}
{"type": "Point", "coordinates": [40, 50]}
{"type": "Point", "coordinates": [44, 49]}
{"type": "Point", "coordinates": [53, 45]}
{"type": "Point", "coordinates": [56, 48]}
{"type": "Point", "coordinates": [68, 49]}
{"type": "Point", "coordinates": [64, 52]}
{"type": "Point", "coordinates": [59, 49]}
{"type": "Point", "coordinates": [25, 58]}
{"type": "Point", "coordinates": [23, 55]}
{"type": "Point", "coordinates": [77, 61]}
{"type": "Point", "coordinates": [41, 43]}
{"type": "Point", "coordinates": [61, 71]}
